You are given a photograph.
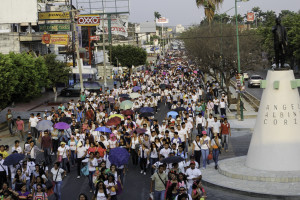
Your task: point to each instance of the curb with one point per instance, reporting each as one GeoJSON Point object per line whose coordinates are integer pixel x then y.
{"type": "Point", "coordinates": [247, 193]}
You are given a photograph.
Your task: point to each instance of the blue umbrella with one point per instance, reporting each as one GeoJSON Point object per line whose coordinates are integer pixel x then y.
{"type": "Point", "coordinates": [118, 156]}
{"type": "Point", "coordinates": [44, 125]}
{"type": "Point", "coordinates": [13, 159]}
{"type": "Point", "coordinates": [146, 109]}
{"type": "Point", "coordinates": [173, 114]}
{"type": "Point", "coordinates": [61, 125]}
{"type": "Point", "coordinates": [136, 88]}
{"type": "Point", "coordinates": [103, 129]}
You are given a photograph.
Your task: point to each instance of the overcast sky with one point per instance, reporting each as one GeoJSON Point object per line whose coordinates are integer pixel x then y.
{"type": "Point", "coordinates": [185, 12]}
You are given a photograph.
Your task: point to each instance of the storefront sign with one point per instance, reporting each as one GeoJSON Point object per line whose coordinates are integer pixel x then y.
{"type": "Point", "coordinates": [53, 15]}
{"type": "Point", "coordinates": [88, 20]}
{"type": "Point", "coordinates": [57, 39]}
{"type": "Point", "coordinates": [54, 27]}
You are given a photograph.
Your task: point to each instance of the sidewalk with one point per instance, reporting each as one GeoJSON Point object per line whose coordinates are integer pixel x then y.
{"type": "Point", "coordinates": [39, 104]}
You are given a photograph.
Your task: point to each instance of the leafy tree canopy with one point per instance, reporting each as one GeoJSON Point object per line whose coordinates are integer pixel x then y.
{"type": "Point", "coordinates": [128, 55]}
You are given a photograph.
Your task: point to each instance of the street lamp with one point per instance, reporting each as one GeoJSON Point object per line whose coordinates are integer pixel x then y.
{"type": "Point", "coordinates": [238, 54]}
{"type": "Point", "coordinates": [222, 78]}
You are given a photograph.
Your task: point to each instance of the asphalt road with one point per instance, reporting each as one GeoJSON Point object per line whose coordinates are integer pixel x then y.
{"type": "Point", "coordinates": [136, 185]}
{"type": "Point", "coordinates": [257, 91]}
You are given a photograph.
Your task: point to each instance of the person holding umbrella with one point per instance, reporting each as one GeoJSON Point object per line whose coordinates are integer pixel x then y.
{"type": "Point", "coordinates": [31, 150]}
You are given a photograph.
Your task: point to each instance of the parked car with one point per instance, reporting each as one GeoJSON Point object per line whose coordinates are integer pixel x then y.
{"type": "Point", "coordinates": [75, 89]}
{"type": "Point", "coordinates": [246, 76]}
{"type": "Point", "coordinates": [254, 80]}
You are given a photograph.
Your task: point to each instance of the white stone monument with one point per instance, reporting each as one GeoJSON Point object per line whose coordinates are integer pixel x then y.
{"type": "Point", "coordinates": [275, 143]}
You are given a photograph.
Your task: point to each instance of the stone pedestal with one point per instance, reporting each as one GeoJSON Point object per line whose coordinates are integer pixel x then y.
{"type": "Point", "coordinates": [275, 143]}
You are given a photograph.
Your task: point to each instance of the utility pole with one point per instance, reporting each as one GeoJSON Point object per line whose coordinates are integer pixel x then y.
{"type": "Point", "coordinates": [104, 56]}
{"type": "Point", "coordinates": [77, 50]}
{"type": "Point", "coordinates": [241, 107]}
{"type": "Point", "coordinates": [73, 37]}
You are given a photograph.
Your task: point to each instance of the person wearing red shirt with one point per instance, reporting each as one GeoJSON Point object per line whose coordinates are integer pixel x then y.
{"type": "Point", "coordinates": [226, 132]}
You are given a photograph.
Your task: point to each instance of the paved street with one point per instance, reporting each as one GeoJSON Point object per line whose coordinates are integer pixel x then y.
{"type": "Point", "coordinates": [136, 185]}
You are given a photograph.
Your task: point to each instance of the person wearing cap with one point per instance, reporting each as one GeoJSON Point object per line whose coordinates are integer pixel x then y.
{"type": "Point", "coordinates": [193, 174]}
{"type": "Point", "coordinates": [63, 154]}
{"type": "Point", "coordinates": [81, 153]}
{"type": "Point", "coordinates": [205, 148]}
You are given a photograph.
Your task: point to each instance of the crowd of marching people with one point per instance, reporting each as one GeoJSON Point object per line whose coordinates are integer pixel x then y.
{"type": "Point", "coordinates": [96, 134]}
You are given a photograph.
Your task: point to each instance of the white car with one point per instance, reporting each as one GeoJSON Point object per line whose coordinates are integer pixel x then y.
{"type": "Point", "coordinates": [246, 76]}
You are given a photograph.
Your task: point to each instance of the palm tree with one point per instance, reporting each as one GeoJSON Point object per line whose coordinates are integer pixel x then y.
{"type": "Point", "coordinates": [210, 7]}
{"type": "Point", "coordinates": [157, 15]}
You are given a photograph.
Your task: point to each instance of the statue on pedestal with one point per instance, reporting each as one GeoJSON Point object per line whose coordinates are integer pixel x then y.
{"type": "Point", "coordinates": [280, 43]}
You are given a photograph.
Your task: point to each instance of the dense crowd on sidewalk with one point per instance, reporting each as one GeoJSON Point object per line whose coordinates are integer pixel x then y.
{"type": "Point", "coordinates": [82, 134]}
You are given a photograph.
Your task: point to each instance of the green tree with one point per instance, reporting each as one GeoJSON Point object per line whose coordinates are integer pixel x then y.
{"type": "Point", "coordinates": [157, 15]}
{"type": "Point", "coordinates": [8, 80]}
{"type": "Point", "coordinates": [291, 21]}
{"type": "Point", "coordinates": [216, 55]}
{"type": "Point", "coordinates": [22, 77]}
{"type": "Point", "coordinates": [31, 73]}
{"type": "Point", "coordinates": [210, 6]}
{"type": "Point", "coordinates": [58, 72]}
{"type": "Point", "coordinates": [128, 55]}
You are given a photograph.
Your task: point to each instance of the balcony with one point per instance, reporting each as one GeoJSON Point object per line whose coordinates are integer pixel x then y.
{"type": "Point", "coordinates": [29, 37]}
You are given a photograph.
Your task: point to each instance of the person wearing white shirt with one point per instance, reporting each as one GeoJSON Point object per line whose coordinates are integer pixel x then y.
{"type": "Point", "coordinates": [63, 154]}
{"type": "Point", "coordinates": [165, 151]}
{"type": "Point", "coordinates": [17, 147]}
{"type": "Point", "coordinates": [200, 123]}
{"type": "Point", "coordinates": [183, 194]}
{"type": "Point", "coordinates": [196, 149]}
{"type": "Point", "coordinates": [32, 125]}
{"type": "Point", "coordinates": [57, 177]}
{"type": "Point", "coordinates": [81, 152]}
{"type": "Point", "coordinates": [205, 147]}
{"type": "Point", "coordinates": [92, 164]}
{"type": "Point", "coordinates": [216, 105]}
{"type": "Point", "coordinates": [216, 125]}
{"type": "Point", "coordinates": [3, 171]}
{"type": "Point", "coordinates": [223, 107]}
{"type": "Point", "coordinates": [193, 174]}
{"type": "Point", "coordinates": [209, 126]}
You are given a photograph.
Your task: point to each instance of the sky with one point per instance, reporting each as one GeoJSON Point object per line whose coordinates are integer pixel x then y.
{"type": "Point", "coordinates": [185, 12]}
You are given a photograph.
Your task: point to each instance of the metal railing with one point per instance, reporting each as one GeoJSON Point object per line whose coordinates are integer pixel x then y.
{"type": "Point", "coordinates": [252, 100]}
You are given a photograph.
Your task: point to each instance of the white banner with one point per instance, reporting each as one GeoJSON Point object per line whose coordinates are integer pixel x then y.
{"type": "Point", "coordinates": [119, 25]}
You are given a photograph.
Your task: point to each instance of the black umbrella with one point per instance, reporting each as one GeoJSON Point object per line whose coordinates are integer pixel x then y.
{"type": "Point", "coordinates": [67, 120]}
{"type": "Point", "coordinates": [124, 95]}
{"type": "Point", "coordinates": [146, 114]}
{"type": "Point", "coordinates": [13, 159]}
{"type": "Point", "coordinates": [180, 109]}
{"type": "Point", "coordinates": [172, 159]}
{"type": "Point", "coordinates": [163, 86]}
{"type": "Point", "coordinates": [156, 94]}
